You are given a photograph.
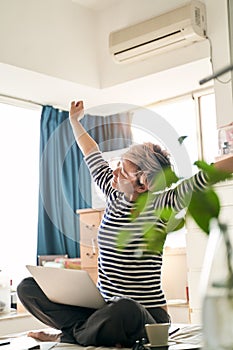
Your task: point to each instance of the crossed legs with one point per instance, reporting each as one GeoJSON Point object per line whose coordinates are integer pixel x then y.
{"type": "Point", "coordinates": [119, 323]}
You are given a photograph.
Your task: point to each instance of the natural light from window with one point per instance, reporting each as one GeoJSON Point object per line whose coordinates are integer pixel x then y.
{"type": "Point", "coordinates": [209, 128]}
{"type": "Point", "coordinates": [19, 154]}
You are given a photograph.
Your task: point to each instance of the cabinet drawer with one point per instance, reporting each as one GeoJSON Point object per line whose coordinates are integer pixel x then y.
{"type": "Point", "coordinates": [90, 218]}
{"type": "Point", "coordinates": [88, 236]}
{"type": "Point", "coordinates": [89, 224]}
{"type": "Point", "coordinates": [88, 256]}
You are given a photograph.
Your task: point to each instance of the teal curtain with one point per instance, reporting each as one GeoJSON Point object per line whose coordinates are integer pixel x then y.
{"type": "Point", "coordinates": [65, 183]}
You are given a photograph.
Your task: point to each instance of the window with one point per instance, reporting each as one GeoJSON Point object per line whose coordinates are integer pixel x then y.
{"type": "Point", "coordinates": [166, 122]}
{"type": "Point", "coordinates": [190, 116]}
{"type": "Point", "coordinates": [209, 134]}
{"type": "Point", "coordinates": [19, 180]}
{"type": "Point", "coordinates": [19, 154]}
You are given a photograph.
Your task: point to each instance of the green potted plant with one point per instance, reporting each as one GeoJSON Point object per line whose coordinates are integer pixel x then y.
{"type": "Point", "coordinates": [204, 208]}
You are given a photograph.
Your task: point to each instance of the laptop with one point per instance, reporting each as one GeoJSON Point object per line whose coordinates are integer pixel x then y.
{"type": "Point", "coordinates": [67, 286]}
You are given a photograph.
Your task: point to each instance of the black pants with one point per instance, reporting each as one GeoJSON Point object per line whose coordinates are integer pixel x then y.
{"type": "Point", "coordinates": [119, 322]}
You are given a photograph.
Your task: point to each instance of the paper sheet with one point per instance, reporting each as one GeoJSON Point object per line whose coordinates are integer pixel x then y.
{"type": "Point", "coordinates": [24, 343]}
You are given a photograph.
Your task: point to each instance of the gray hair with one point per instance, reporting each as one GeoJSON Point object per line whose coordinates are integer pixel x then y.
{"type": "Point", "coordinates": [150, 159]}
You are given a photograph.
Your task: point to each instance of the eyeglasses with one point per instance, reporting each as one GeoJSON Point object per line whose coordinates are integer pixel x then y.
{"type": "Point", "coordinates": [126, 174]}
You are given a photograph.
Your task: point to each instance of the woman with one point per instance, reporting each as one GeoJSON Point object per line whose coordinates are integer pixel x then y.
{"type": "Point", "coordinates": [130, 278]}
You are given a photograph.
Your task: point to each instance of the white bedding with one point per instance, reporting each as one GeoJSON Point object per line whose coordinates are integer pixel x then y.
{"type": "Point", "coordinates": [188, 337]}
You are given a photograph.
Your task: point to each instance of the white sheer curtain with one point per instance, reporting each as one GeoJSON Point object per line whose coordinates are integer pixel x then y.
{"type": "Point", "coordinates": [19, 154]}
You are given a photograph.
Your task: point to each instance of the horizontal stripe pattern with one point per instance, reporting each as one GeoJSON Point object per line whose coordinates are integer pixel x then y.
{"type": "Point", "coordinates": [132, 271]}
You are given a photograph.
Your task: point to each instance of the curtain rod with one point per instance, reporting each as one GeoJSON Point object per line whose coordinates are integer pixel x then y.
{"type": "Point", "coordinates": [190, 93]}
{"type": "Point", "coordinates": [31, 102]}
{"type": "Point", "coordinates": [150, 105]}
{"type": "Point", "coordinates": [21, 99]}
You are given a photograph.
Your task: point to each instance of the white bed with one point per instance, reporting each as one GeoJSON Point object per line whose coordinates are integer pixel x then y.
{"type": "Point", "coordinates": [188, 337]}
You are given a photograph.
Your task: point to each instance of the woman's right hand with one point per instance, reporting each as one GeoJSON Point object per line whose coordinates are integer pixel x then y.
{"type": "Point", "coordinates": [76, 111]}
{"type": "Point", "coordinates": [85, 142]}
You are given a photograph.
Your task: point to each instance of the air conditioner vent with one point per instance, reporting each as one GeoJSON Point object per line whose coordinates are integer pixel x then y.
{"type": "Point", "coordinates": [151, 41]}
{"type": "Point", "coordinates": [182, 26]}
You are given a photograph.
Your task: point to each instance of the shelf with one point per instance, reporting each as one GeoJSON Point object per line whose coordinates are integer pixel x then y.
{"type": "Point", "coordinates": [177, 302]}
{"type": "Point", "coordinates": [16, 322]}
{"type": "Point", "coordinates": [88, 210]}
{"type": "Point", "coordinates": [225, 162]}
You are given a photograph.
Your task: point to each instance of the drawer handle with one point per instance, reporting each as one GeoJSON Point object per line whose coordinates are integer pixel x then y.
{"type": "Point", "coordinates": [90, 255]}
{"type": "Point", "coordinates": [90, 227]}
{"type": "Point", "coordinates": [93, 244]}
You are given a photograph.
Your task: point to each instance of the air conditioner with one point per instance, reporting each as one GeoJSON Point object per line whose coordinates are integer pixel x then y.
{"type": "Point", "coordinates": [179, 27]}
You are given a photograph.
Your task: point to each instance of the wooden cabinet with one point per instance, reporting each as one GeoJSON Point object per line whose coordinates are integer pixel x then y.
{"type": "Point", "coordinates": [89, 223]}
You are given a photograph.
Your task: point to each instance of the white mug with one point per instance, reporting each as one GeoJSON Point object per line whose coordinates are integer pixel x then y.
{"type": "Point", "coordinates": [157, 333]}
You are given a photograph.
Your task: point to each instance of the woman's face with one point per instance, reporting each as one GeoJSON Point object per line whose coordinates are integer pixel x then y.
{"type": "Point", "coordinates": [125, 177]}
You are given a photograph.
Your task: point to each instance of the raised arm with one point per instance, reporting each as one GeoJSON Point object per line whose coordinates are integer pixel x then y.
{"type": "Point", "coordinates": [83, 139]}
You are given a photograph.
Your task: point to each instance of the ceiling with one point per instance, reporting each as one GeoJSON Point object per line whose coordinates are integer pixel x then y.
{"type": "Point", "coordinates": [170, 81]}
{"type": "Point", "coordinates": [96, 5]}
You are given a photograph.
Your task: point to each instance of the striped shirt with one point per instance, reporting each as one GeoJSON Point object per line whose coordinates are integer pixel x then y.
{"type": "Point", "coordinates": [132, 271]}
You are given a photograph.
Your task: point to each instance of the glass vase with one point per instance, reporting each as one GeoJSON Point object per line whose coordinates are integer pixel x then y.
{"type": "Point", "coordinates": [217, 289]}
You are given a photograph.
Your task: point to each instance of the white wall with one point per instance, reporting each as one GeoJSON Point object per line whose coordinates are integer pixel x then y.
{"type": "Point", "coordinates": [218, 31]}
{"type": "Point", "coordinates": [62, 39]}
{"type": "Point", "coordinates": [74, 67]}
{"type": "Point", "coordinates": [130, 12]}
{"type": "Point", "coordinates": [53, 37]}
{"type": "Point", "coordinates": [53, 51]}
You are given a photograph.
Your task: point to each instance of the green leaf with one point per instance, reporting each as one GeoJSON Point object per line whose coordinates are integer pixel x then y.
{"type": "Point", "coordinates": [181, 139]}
{"type": "Point", "coordinates": [169, 216]}
{"type": "Point", "coordinates": [204, 206]}
{"type": "Point", "coordinates": [214, 175]}
{"type": "Point", "coordinates": [175, 224]}
{"type": "Point", "coordinates": [122, 239]}
{"type": "Point", "coordinates": [154, 239]}
{"type": "Point", "coordinates": [164, 213]}
{"type": "Point", "coordinates": [140, 204]}
{"type": "Point", "coordinates": [165, 178]}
